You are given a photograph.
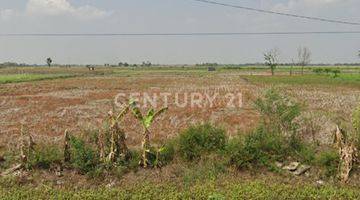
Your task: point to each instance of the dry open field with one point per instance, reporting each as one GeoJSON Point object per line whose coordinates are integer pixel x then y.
{"type": "Point", "coordinates": [48, 107]}
{"type": "Point", "coordinates": [79, 100]}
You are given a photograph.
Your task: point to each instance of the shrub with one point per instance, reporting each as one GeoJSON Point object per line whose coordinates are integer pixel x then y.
{"type": "Point", "coordinates": [356, 127]}
{"type": "Point", "coordinates": [318, 70]}
{"type": "Point", "coordinates": [135, 158]}
{"type": "Point", "coordinates": [330, 161]}
{"type": "Point", "coordinates": [256, 149]}
{"type": "Point", "coordinates": [356, 120]}
{"type": "Point", "coordinates": [262, 148]}
{"type": "Point", "coordinates": [199, 139]}
{"type": "Point", "coordinates": [44, 156]}
{"type": "Point", "coordinates": [305, 153]}
{"type": "Point", "coordinates": [335, 72]}
{"type": "Point", "coordinates": [83, 157]}
{"type": "Point", "coordinates": [327, 70]}
{"type": "Point", "coordinates": [277, 112]}
{"type": "Point", "coordinates": [167, 152]}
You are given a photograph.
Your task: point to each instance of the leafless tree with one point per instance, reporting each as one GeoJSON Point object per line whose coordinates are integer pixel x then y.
{"type": "Point", "coordinates": [304, 57]}
{"type": "Point", "coordinates": [271, 59]}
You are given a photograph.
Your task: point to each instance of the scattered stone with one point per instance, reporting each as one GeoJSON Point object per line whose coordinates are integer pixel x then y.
{"type": "Point", "coordinates": [279, 164]}
{"type": "Point", "coordinates": [301, 169]}
{"type": "Point", "coordinates": [60, 182]}
{"type": "Point", "coordinates": [110, 185]}
{"type": "Point", "coordinates": [320, 183]}
{"type": "Point", "coordinates": [292, 166]}
{"type": "Point", "coordinates": [58, 174]}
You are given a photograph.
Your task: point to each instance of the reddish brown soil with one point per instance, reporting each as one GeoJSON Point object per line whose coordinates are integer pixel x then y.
{"type": "Point", "coordinates": [50, 107]}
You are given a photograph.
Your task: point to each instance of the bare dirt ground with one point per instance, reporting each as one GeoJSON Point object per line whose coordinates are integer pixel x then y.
{"type": "Point", "coordinates": [50, 107]}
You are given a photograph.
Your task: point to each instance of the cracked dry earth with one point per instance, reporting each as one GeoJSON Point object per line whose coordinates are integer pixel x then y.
{"type": "Point", "coordinates": [78, 104]}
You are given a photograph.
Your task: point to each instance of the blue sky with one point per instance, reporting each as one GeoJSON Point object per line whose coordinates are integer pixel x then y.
{"type": "Point", "coordinates": [134, 16]}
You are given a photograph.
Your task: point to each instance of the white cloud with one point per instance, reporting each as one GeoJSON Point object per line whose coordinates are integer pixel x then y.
{"type": "Point", "coordinates": [63, 8]}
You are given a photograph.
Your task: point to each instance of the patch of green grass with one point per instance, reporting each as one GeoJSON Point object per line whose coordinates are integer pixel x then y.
{"type": "Point", "coordinates": [342, 79]}
{"type": "Point", "coordinates": [209, 168]}
{"type": "Point", "coordinates": [230, 189]}
{"type": "Point", "coordinates": [17, 78]}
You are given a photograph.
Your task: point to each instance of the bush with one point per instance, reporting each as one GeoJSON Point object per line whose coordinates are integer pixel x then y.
{"type": "Point", "coordinates": [277, 112]}
{"type": "Point", "coordinates": [83, 157]}
{"type": "Point", "coordinates": [44, 156]}
{"type": "Point", "coordinates": [167, 153]}
{"type": "Point", "coordinates": [256, 149]}
{"type": "Point", "coordinates": [356, 127]}
{"type": "Point", "coordinates": [335, 72]}
{"type": "Point", "coordinates": [356, 119]}
{"type": "Point", "coordinates": [199, 139]}
{"type": "Point", "coordinates": [330, 161]}
{"type": "Point", "coordinates": [318, 70]}
{"type": "Point", "coordinates": [262, 148]}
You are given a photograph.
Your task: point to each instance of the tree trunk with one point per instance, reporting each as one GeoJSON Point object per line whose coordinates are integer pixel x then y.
{"type": "Point", "coordinates": [145, 147]}
{"type": "Point", "coordinates": [111, 156]}
{"type": "Point", "coordinates": [101, 146]}
{"type": "Point", "coordinates": [67, 156]}
{"type": "Point", "coordinates": [122, 147]}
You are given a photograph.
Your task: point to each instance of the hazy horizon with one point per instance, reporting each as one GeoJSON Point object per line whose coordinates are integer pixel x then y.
{"type": "Point", "coordinates": [174, 16]}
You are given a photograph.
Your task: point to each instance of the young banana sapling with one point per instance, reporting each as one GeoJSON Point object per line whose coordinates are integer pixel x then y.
{"type": "Point", "coordinates": [146, 121]}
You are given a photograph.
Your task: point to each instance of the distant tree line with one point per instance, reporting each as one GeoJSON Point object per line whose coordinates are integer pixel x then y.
{"type": "Point", "coordinates": [207, 64]}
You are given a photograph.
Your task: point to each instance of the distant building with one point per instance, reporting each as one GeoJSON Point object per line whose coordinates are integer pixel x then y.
{"type": "Point", "coordinates": [90, 68]}
{"type": "Point", "coordinates": [211, 69]}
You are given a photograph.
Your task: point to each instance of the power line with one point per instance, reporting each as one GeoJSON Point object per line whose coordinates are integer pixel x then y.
{"type": "Point", "coordinates": [175, 34]}
{"type": "Point", "coordinates": [279, 13]}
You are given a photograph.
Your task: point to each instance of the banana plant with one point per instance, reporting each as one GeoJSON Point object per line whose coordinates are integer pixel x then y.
{"type": "Point", "coordinates": [146, 121]}
{"type": "Point", "coordinates": [118, 147]}
{"type": "Point", "coordinates": [158, 163]}
{"type": "Point", "coordinates": [67, 153]}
